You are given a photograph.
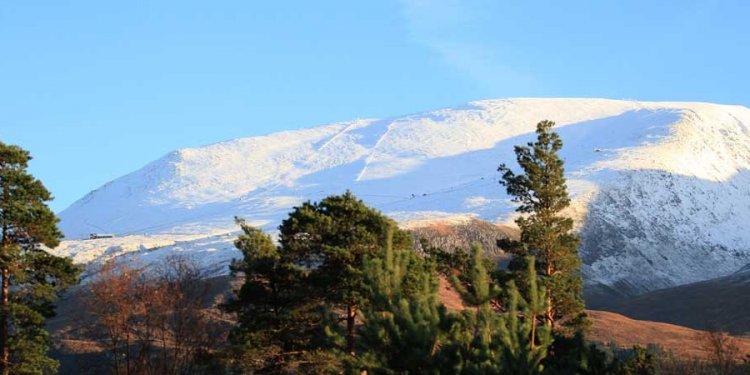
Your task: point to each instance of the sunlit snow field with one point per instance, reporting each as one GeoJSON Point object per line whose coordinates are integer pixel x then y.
{"type": "Point", "coordinates": [645, 180]}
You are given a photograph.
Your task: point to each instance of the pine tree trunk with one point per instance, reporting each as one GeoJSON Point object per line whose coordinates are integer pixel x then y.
{"type": "Point", "coordinates": [5, 354]}
{"type": "Point", "coordinates": [532, 339]}
{"type": "Point", "coordinates": [351, 314]}
{"type": "Point", "coordinates": [549, 318]}
{"type": "Point", "coordinates": [549, 315]}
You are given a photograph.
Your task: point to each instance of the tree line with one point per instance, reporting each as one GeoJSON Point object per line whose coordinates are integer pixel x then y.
{"type": "Point", "coordinates": [341, 290]}
{"type": "Point", "coordinates": [344, 292]}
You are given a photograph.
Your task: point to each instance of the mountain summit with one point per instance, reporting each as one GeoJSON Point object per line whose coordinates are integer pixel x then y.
{"type": "Point", "coordinates": [661, 191]}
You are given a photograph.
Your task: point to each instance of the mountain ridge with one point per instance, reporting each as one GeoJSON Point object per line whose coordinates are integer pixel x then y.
{"type": "Point", "coordinates": [644, 177]}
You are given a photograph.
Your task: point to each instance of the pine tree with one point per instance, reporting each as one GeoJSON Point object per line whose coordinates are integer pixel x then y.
{"type": "Point", "coordinates": [31, 277]}
{"type": "Point", "coordinates": [574, 356]}
{"type": "Point", "coordinates": [489, 341]}
{"type": "Point", "coordinates": [525, 345]}
{"type": "Point", "coordinates": [480, 290]}
{"type": "Point", "coordinates": [542, 193]}
{"type": "Point", "coordinates": [474, 346]}
{"type": "Point", "coordinates": [404, 323]}
{"type": "Point", "coordinates": [267, 293]}
{"type": "Point", "coordinates": [641, 362]}
{"type": "Point", "coordinates": [273, 319]}
{"type": "Point", "coordinates": [332, 238]}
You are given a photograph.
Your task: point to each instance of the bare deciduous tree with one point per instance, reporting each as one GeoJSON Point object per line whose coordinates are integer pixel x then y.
{"type": "Point", "coordinates": [722, 350]}
{"type": "Point", "coordinates": [153, 321]}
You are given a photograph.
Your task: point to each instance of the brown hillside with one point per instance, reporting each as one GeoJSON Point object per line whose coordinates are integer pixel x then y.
{"type": "Point", "coordinates": [626, 332]}
{"type": "Point", "coordinates": [720, 303]}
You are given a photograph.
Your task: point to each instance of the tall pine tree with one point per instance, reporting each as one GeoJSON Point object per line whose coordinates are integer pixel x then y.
{"type": "Point", "coordinates": [546, 234]}
{"type": "Point", "coordinates": [273, 320]}
{"type": "Point", "coordinates": [31, 277]}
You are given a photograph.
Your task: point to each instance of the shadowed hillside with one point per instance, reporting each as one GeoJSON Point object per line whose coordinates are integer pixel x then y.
{"type": "Point", "coordinates": [714, 304]}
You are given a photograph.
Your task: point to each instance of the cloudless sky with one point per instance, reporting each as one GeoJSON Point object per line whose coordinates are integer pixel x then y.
{"type": "Point", "coordinates": [96, 89]}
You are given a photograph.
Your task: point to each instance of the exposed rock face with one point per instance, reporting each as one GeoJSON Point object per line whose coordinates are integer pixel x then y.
{"type": "Point", "coordinates": [462, 234]}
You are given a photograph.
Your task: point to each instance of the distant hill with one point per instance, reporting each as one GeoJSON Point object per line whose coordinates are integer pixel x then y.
{"type": "Point", "coordinates": [720, 303]}
{"type": "Point", "coordinates": [626, 332]}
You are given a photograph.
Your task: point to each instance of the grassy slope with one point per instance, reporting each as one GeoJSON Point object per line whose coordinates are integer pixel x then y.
{"type": "Point", "coordinates": [714, 304]}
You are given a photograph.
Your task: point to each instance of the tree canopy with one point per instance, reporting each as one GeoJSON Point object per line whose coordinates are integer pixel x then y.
{"type": "Point", "coordinates": [31, 277]}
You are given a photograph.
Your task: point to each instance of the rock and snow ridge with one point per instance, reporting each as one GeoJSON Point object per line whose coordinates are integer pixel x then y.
{"type": "Point", "coordinates": [661, 191]}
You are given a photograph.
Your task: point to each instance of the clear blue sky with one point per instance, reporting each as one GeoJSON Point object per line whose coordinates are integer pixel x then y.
{"type": "Point", "coordinates": [96, 89]}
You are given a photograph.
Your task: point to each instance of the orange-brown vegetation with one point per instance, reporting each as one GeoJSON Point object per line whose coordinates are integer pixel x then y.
{"type": "Point", "coordinates": [626, 332]}
{"type": "Point", "coordinates": [73, 327]}
{"type": "Point", "coordinates": [151, 322]}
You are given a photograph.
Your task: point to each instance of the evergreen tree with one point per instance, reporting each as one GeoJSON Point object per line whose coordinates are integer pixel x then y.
{"type": "Point", "coordinates": [332, 238]}
{"type": "Point", "coordinates": [488, 341]}
{"type": "Point", "coordinates": [474, 345]}
{"type": "Point", "coordinates": [574, 356]}
{"type": "Point", "coordinates": [542, 193]}
{"type": "Point", "coordinates": [448, 262]}
{"type": "Point", "coordinates": [478, 290]}
{"type": "Point", "coordinates": [525, 345]}
{"type": "Point", "coordinates": [277, 324]}
{"type": "Point", "coordinates": [404, 323]}
{"type": "Point", "coordinates": [31, 277]}
{"type": "Point", "coordinates": [641, 362]}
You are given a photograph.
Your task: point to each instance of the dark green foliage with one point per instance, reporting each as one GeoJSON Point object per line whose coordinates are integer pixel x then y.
{"type": "Point", "coordinates": [526, 343]}
{"type": "Point", "coordinates": [458, 263]}
{"type": "Point", "coordinates": [277, 324]}
{"type": "Point", "coordinates": [542, 193]}
{"type": "Point", "coordinates": [31, 277]}
{"type": "Point", "coordinates": [339, 255]}
{"type": "Point", "coordinates": [268, 293]}
{"type": "Point", "coordinates": [473, 345]}
{"type": "Point", "coordinates": [641, 362]}
{"type": "Point", "coordinates": [448, 262]}
{"type": "Point", "coordinates": [332, 238]}
{"type": "Point", "coordinates": [478, 290]}
{"type": "Point", "coordinates": [404, 323]}
{"type": "Point", "coordinates": [574, 356]}
{"type": "Point", "coordinates": [291, 303]}
{"type": "Point", "coordinates": [488, 341]}
{"type": "Point", "coordinates": [670, 364]}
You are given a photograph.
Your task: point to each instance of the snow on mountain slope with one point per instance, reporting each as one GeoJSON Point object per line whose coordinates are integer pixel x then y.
{"type": "Point", "coordinates": [661, 190]}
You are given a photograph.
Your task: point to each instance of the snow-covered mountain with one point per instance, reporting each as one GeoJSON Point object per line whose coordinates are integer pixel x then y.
{"type": "Point", "coordinates": [661, 190]}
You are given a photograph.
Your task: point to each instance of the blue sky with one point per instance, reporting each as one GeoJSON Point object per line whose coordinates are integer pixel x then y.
{"type": "Point", "coordinates": [96, 89]}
